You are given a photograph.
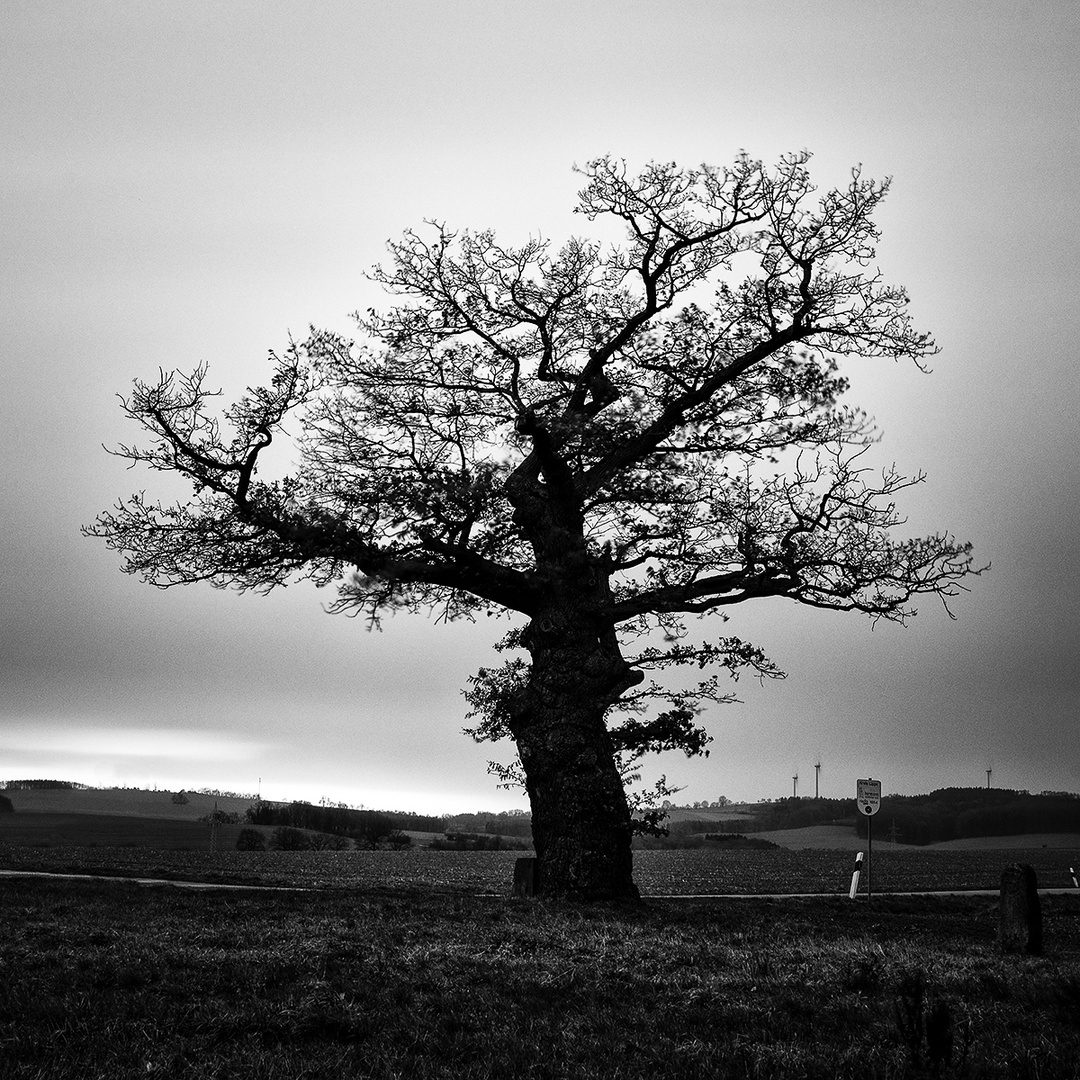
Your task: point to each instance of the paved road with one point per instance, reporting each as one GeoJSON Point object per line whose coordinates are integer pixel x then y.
{"type": "Point", "coordinates": [151, 881]}
{"type": "Point", "coordinates": [861, 896]}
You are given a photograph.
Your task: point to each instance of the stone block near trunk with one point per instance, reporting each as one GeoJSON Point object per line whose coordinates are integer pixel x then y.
{"type": "Point", "coordinates": [1020, 918]}
{"type": "Point", "coordinates": [526, 877]}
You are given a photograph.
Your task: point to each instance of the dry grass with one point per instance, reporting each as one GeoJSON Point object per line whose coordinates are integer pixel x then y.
{"type": "Point", "coordinates": [100, 980]}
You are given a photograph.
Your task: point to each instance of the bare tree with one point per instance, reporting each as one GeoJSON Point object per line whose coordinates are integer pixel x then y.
{"type": "Point", "coordinates": [602, 439]}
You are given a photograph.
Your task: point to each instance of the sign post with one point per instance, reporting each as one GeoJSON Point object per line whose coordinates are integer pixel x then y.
{"type": "Point", "coordinates": [868, 800]}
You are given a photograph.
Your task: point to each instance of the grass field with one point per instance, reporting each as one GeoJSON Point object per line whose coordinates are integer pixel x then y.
{"type": "Point", "coordinates": [658, 873]}
{"type": "Point", "coordinates": [108, 980]}
{"type": "Point", "coordinates": [104, 830]}
{"type": "Point", "coordinates": [418, 964]}
{"type": "Point", "coordinates": [132, 832]}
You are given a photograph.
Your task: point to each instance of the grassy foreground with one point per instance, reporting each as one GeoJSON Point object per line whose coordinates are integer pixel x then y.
{"type": "Point", "coordinates": [101, 979]}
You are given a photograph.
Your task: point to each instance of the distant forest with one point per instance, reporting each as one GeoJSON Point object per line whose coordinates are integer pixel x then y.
{"type": "Point", "coordinates": [373, 825]}
{"type": "Point", "coordinates": [789, 813]}
{"type": "Point", "coordinates": [43, 785]}
{"type": "Point", "coordinates": [946, 814]}
{"type": "Point", "coordinates": [341, 820]}
{"type": "Point", "coordinates": [959, 813]}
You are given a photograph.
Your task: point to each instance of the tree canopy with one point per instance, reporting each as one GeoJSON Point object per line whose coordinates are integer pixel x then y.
{"type": "Point", "coordinates": [603, 439]}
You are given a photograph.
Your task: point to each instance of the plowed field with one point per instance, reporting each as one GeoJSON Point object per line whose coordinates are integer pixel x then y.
{"type": "Point", "coordinates": [658, 873]}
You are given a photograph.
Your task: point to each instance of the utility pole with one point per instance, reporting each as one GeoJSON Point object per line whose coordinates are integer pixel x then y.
{"type": "Point", "coordinates": [817, 777]}
{"type": "Point", "coordinates": [795, 786]}
{"type": "Point", "coordinates": [988, 772]}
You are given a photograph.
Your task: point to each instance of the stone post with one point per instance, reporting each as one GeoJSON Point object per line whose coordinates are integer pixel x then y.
{"type": "Point", "coordinates": [1020, 918]}
{"type": "Point", "coordinates": [526, 877]}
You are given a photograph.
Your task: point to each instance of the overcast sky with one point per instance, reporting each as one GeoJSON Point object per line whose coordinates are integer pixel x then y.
{"type": "Point", "coordinates": [194, 181]}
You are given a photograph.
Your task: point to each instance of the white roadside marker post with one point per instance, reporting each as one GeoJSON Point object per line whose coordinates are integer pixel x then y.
{"type": "Point", "coordinates": [855, 876]}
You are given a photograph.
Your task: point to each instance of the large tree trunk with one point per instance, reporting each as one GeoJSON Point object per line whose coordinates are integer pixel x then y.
{"type": "Point", "coordinates": [580, 818]}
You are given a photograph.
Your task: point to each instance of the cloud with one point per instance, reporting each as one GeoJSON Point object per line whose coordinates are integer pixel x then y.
{"type": "Point", "coordinates": [85, 740]}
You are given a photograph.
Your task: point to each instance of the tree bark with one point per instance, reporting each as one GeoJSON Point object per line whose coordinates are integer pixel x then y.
{"type": "Point", "coordinates": [580, 817]}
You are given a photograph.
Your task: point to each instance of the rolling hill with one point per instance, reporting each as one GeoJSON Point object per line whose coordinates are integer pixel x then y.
{"type": "Point", "coordinates": [128, 817]}
{"type": "Point", "coordinates": [121, 802]}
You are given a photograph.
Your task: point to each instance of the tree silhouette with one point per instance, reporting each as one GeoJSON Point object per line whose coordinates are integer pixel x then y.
{"type": "Point", "coordinates": [602, 440]}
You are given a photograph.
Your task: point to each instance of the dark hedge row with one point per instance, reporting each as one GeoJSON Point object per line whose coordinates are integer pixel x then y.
{"type": "Point", "coordinates": [341, 820]}
{"type": "Point", "coordinates": [958, 813]}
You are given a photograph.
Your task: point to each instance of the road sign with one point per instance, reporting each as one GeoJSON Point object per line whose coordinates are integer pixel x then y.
{"type": "Point", "coordinates": [868, 796]}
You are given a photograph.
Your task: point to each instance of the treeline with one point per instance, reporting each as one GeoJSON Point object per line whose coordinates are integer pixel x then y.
{"type": "Point", "coordinates": [284, 838]}
{"type": "Point", "coordinates": [959, 813]}
{"type": "Point", "coordinates": [506, 823]}
{"type": "Point", "coordinates": [44, 785]}
{"type": "Point", "coordinates": [341, 820]}
{"type": "Point", "coordinates": [789, 813]}
{"type": "Point", "coordinates": [680, 840]}
{"type": "Point", "coordinates": [465, 841]}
